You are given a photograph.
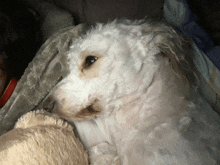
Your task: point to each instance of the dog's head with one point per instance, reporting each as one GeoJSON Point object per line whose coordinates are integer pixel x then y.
{"type": "Point", "coordinates": [114, 61]}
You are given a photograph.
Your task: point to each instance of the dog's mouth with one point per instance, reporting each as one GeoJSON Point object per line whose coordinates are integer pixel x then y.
{"type": "Point", "coordinates": [90, 111]}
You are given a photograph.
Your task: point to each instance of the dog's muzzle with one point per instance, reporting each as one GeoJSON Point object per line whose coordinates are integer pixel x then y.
{"type": "Point", "coordinates": [51, 105]}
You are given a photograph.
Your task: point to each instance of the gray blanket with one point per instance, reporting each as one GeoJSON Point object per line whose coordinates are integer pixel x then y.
{"type": "Point", "coordinates": [43, 73]}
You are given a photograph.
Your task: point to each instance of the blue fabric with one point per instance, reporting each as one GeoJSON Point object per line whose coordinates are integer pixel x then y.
{"type": "Point", "coordinates": [214, 55]}
{"type": "Point", "coordinates": [199, 36]}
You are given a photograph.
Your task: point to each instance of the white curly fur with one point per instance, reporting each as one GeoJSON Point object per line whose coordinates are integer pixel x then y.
{"type": "Point", "coordinates": [136, 104]}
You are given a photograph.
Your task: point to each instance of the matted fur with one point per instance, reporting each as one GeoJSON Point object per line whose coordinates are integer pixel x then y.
{"type": "Point", "coordinates": [147, 109]}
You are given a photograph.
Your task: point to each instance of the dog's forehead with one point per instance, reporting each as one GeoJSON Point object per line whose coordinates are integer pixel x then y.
{"type": "Point", "coordinates": [103, 37]}
{"type": "Point", "coordinates": [97, 42]}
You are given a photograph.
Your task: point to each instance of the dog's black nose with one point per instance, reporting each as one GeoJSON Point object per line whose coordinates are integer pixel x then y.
{"type": "Point", "coordinates": [49, 104]}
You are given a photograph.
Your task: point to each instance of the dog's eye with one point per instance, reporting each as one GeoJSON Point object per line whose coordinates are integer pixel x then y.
{"type": "Point", "coordinates": [90, 60]}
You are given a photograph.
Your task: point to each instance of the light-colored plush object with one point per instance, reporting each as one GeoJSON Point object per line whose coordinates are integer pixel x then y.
{"type": "Point", "coordinates": [47, 68]}
{"type": "Point", "coordinates": [41, 139]}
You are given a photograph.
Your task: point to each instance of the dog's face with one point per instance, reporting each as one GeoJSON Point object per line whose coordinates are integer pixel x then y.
{"type": "Point", "coordinates": [110, 65]}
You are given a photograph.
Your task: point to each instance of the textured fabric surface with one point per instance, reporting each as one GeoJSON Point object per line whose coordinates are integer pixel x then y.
{"type": "Point", "coordinates": [47, 68]}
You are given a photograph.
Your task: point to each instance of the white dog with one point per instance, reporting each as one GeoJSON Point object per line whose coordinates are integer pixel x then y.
{"type": "Point", "coordinates": [131, 96]}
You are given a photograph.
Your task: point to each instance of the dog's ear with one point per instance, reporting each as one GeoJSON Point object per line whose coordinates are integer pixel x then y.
{"type": "Point", "coordinates": [172, 45]}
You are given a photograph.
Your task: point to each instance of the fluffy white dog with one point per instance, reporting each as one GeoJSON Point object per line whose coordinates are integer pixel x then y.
{"type": "Point", "coordinates": [131, 95]}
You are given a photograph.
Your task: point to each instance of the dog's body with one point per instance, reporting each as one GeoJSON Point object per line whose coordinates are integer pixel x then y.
{"type": "Point", "coordinates": [132, 86]}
